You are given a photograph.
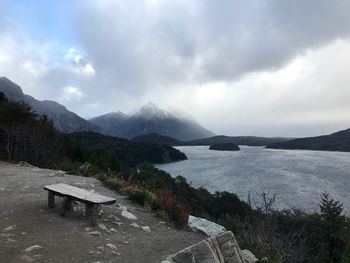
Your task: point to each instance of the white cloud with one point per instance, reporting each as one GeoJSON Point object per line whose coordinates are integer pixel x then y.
{"type": "Point", "coordinates": [72, 93]}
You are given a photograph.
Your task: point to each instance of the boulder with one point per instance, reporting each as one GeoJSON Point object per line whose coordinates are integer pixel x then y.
{"type": "Point", "coordinates": [205, 226]}
{"type": "Point", "coordinates": [32, 248]}
{"type": "Point", "coordinates": [126, 214]}
{"type": "Point", "coordinates": [248, 256]}
{"type": "Point", "coordinates": [222, 248]}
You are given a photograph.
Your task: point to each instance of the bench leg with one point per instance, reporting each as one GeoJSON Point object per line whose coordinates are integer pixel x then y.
{"type": "Point", "coordinates": [66, 205]}
{"type": "Point", "coordinates": [92, 211]}
{"type": "Point", "coordinates": [51, 199]}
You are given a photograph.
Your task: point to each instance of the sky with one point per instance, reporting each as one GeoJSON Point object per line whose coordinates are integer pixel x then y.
{"type": "Point", "coordinates": [259, 67]}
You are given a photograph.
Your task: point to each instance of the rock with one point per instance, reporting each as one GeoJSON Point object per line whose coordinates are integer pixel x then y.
{"type": "Point", "coordinates": [25, 164]}
{"type": "Point", "coordinates": [112, 229]}
{"type": "Point", "coordinates": [11, 240]}
{"type": "Point", "coordinates": [111, 246]}
{"type": "Point", "coordinates": [146, 228]}
{"type": "Point", "coordinates": [117, 223]}
{"type": "Point", "coordinates": [248, 256]}
{"type": "Point", "coordinates": [207, 227]}
{"type": "Point", "coordinates": [102, 227]}
{"type": "Point", "coordinates": [224, 147]}
{"type": "Point", "coordinates": [185, 256]}
{"type": "Point", "coordinates": [134, 225]}
{"type": "Point", "coordinates": [219, 249]}
{"type": "Point", "coordinates": [128, 215]}
{"type": "Point", "coordinates": [95, 233]}
{"type": "Point", "coordinates": [121, 207]}
{"type": "Point", "coordinates": [10, 228]}
{"type": "Point", "coordinates": [32, 248]}
{"type": "Point", "coordinates": [113, 218]}
{"type": "Point", "coordinates": [7, 235]}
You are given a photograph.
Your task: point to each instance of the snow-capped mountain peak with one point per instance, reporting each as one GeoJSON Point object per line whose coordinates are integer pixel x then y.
{"type": "Point", "coordinates": [151, 111]}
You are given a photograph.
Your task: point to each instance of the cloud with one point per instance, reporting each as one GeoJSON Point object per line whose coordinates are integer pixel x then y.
{"type": "Point", "coordinates": [270, 67]}
{"type": "Point", "coordinates": [79, 63]}
{"type": "Point", "coordinates": [177, 41]}
{"type": "Point", "coordinates": [72, 93]}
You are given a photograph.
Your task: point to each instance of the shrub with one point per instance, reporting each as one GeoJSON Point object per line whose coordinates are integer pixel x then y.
{"type": "Point", "coordinates": [139, 198]}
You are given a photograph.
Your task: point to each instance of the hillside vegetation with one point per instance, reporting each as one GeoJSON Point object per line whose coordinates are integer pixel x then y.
{"type": "Point", "coordinates": [339, 141]}
{"type": "Point", "coordinates": [282, 236]}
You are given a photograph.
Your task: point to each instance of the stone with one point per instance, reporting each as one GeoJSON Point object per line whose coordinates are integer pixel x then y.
{"type": "Point", "coordinates": [102, 227]}
{"type": "Point", "coordinates": [111, 246]}
{"type": "Point", "coordinates": [185, 257]}
{"type": "Point", "coordinates": [248, 256]}
{"type": "Point", "coordinates": [32, 248]}
{"type": "Point", "coordinates": [128, 215]}
{"type": "Point", "coordinates": [121, 207]}
{"type": "Point", "coordinates": [113, 218]}
{"type": "Point", "coordinates": [112, 230]}
{"type": "Point", "coordinates": [219, 249]}
{"type": "Point", "coordinates": [205, 226]}
{"type": "Point", "coordinates": [134, 225]}
{"type": "Point", "coordinates": [95, 233]}
{"type": "Point", "coordinates": [146, 228]}
{"type": "Point", "coordinates": [204, 253]}
{"type": "Point", "coordinates": [10, 228]}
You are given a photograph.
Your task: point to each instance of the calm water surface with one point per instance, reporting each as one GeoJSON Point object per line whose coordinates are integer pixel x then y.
{"type": "Point", "coordinates": [297, 177]}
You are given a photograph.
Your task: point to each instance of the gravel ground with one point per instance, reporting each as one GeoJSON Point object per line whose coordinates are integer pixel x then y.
{"type": "Point", "coordinates": [26, 221]}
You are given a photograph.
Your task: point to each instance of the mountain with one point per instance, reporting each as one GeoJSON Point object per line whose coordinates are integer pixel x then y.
{"type": "Point", "coordinates": [338, 141]}
{"type": "Point", "coordinates": [239, 140]}
{"type": "Point", "coordinates": [150, 119]}
{"type": "Point", "coordinates": [64, 120]}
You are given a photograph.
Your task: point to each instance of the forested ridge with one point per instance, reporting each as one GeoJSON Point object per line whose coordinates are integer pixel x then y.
{"type": "Point", "coordinates": [276, 236]}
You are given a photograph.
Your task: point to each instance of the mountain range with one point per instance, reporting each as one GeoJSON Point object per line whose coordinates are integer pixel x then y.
{"type": "Point", "coordinates": [64, 120]}
{"type": "Point", "coordinates": [154, 138]}
{"type": "Point", "coordinates": [151, 119]}
{"type": "Point", "coordinates": [154, 125]}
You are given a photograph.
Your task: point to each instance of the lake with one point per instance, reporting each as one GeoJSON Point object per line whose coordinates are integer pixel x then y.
{"type": "Point", "coordinates": [297, 177]}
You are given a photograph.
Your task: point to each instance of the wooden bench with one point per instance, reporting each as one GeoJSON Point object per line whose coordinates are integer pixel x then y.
{"type": "Point", "coordinates": [92, 201]}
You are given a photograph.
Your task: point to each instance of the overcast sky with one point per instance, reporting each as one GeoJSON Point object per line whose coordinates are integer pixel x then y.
{"type": "Point", "coordinates": [258, 67]}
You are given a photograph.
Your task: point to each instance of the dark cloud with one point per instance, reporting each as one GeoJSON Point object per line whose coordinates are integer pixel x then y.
{"type": "Point", "coordinates": [221, 59]}
{"type": "Point", "coordinates": [206, 40]}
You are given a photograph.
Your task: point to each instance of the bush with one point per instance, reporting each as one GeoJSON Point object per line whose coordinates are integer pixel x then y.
{"type": "Point", "coordinates": [139, 198]}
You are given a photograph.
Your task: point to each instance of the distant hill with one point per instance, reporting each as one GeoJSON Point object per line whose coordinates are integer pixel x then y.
{"type": "Point", "coordinates": [339, 141]}
{"type": "Point", "coordinates": [239, 140]}
{"type": "Point", "coordinates": [150, 119]}
{"type": "Point", "coordinates": [123, 150]}
{"type": "Point", "coordinates": [154, 138]}
{"type": "Point", "coordinates": [64, 120]}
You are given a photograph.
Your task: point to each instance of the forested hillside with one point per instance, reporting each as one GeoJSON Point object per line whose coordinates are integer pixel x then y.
{"type": "Point", "coordinates": [26, 136]}
{"type": "Point", "coordinates": [281, 236]}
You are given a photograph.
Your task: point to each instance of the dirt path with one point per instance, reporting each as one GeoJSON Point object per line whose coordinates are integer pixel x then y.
{"type": "Point", "coordinates": [26, 221]}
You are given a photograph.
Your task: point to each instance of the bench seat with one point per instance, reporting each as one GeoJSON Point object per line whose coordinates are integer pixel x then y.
{"type": "Point", "coordinates": [93, 201]}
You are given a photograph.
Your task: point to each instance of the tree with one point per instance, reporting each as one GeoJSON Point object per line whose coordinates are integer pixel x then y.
{"type": "Point", "coordinates": [331, 210]}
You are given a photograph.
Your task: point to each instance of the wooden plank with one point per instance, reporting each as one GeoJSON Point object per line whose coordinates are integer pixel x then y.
{"type": "Point", "coordinates": [80, 194]}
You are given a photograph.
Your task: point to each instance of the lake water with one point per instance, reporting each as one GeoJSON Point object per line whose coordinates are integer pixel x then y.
{"type": "Point", "coordinates": [298, 178]}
